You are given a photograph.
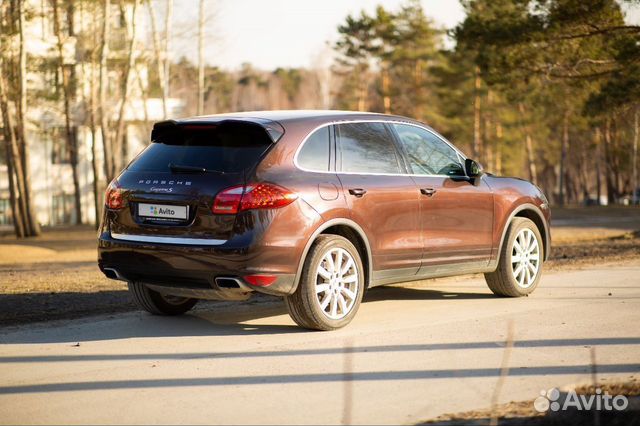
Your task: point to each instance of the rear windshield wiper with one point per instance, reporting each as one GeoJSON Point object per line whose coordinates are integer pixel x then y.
{"type": "Point", "coordinates": [180, 168]}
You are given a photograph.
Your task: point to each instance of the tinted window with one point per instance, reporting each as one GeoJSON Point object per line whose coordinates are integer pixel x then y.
{"type": "Point", "coordinates": [314, 154]}
{"type": "Point", "coordinates": [427, 153]}
{"type": "Point", "coordinates": [229, 147]}
{"type": "Point", "coordinates": [367, 148]}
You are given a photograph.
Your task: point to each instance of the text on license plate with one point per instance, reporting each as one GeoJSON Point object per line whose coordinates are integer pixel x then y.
{"type": "Point", "coordinates": [163, 211]}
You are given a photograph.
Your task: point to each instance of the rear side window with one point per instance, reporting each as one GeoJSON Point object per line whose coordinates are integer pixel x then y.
{"type": "Point", "coordinates": [230, 147]}
{"type": "Point", "coordinates": [314, 154]}
{"type": "Point", "coordinates": [367, 148]}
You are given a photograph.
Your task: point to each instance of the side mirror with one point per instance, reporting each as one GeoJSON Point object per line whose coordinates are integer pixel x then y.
{"type": "Point", "coordinates": [472, 168]}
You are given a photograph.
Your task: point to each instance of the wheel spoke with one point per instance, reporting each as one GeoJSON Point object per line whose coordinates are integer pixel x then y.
{"type": "Point", "coordinates": [324, 273]}
{"type": "Point", "coordinates": [347, 266]}
{"type": "Point", "coordinates": [325, 301]}
{"type": "Point", "coordinates": [516, 245]}
{"type": "Point", "coordinates": [343, 304]}
{"type": "Point", "coordinates": [322, 288]}
{"type": "Point", "coordinates": [350, 294]}
{"type": "Point", "coordinates": [516, 258]}
{"type": "Point", "coordinates": [338, 265]}
{"type": "Point", "coordinates": [334, 306]}
{"type": "Point", "coordinates": [350, 278]}
{"type": "Point", "coordinates": [517, 271]}
{"type": "Point", "coordinates": [331, 266]}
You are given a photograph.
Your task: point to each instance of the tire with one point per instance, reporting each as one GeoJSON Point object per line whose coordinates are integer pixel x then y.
{"type": "Point", "coordinates": [510, 278]}
{"type": "Point", "coordinates": [157, 303]}
{"type": "Point", "coordinates": [331, 302]}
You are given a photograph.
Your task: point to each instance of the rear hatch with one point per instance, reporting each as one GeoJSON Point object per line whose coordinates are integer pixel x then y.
{"type": "Point", "coordinates": [168, 189]}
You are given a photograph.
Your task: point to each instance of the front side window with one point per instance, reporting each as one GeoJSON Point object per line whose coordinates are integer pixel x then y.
{"type": "Point", "coordinates": [367, 148]}
{"type": "Point", "coordinates": [427, 153]}
{"type": "Point", "coordinates": [314, 154]}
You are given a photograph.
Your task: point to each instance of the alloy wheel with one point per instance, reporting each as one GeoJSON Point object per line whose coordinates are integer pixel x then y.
{"type": "Point", "coordinates": [337, 283]}
{"type": "Point", "coordinates": [525, 258]}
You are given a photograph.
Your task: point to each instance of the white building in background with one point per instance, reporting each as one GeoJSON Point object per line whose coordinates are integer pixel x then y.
{"type": "Point", "coordinates": [51, 176]}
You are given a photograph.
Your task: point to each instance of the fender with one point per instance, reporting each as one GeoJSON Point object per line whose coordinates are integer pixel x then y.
{"type": "Point", "coordinates": [514, 212]}
{"type": "Point", "coordinates": [328, 224]}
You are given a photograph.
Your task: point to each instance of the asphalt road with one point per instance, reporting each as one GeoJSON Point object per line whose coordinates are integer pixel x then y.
{"type": "Point", "coordinates": [413, 352]}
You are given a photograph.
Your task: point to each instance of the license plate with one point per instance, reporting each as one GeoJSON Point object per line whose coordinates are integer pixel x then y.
{"type": "Point", "coordinates": [163, 211]}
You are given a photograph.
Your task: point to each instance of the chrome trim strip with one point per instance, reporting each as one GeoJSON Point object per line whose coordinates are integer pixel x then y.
{"type": "Point", "coordinates": [168, 240]}
{"type": "Point", "coordinates": [295, 157]}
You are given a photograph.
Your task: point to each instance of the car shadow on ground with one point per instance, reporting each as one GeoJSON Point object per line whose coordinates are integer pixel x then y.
{"type": "Point", "coordinates": [209, 318]}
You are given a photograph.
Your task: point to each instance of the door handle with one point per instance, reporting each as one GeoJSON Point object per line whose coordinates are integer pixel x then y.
{"type": "Point", "coordinates": [358, 192]}
{"type": "Point", "coordinates": [427, 191]}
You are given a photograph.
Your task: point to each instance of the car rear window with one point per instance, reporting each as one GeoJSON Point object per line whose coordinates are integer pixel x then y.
{"type": "Point", "coordinates": [227, 147]}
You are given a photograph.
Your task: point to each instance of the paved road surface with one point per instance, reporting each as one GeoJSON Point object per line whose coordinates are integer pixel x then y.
{"type": "Point", "coordinates": [413, 352]}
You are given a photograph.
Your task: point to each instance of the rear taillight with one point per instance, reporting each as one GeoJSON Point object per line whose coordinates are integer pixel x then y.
{"type": "Point", "coordinates": [113, 197]}
{"type": "Point", "coordinates": [254, 196]}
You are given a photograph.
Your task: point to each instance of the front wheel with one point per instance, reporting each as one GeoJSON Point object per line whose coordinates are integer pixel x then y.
{"type": "Point", "coordinates": [520, 264]}
{"type": "Point", "coordinates": [158, 303]}
{"type": "Point", "coordinates": [331, 285]}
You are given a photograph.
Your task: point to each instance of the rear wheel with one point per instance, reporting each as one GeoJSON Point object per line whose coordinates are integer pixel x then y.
{"type": "Point", "coordinates": [158, 303]}
{"type": "Point", "coordinates": [331, 285]}
{"type": "Point", "coordinates": [520, 264]}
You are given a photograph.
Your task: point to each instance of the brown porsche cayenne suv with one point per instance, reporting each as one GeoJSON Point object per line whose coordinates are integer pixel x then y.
{"type": "Point", "coordinates": [313, 206]}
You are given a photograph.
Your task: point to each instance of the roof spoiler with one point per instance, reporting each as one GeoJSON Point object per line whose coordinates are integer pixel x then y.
{"type": "Point", "coordinates": [174, 127]}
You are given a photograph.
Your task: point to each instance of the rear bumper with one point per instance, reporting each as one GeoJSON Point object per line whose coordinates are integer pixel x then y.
{"type": "Point", "coordinates": [194, 268]}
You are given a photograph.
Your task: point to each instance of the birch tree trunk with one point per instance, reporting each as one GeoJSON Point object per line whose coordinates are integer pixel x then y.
{"type": "Point", "coordinates": [144, 91]}
{"type": "Point", "coordinates": [159, 57]}
{"type": "Point", "coordinates": [476, 115]}
{"type": "Point", "coordinates": [167, 49]}
{"type": "Point", "coordinates": [634, 158]}
{"type": "Point", "coordinates": [417, 81]}
{"type": "Point", "coordinates": [67, 87]}
{"type": "Point", "coordinates": [13, 163]}
{"type": "Point", "coordinates": [611, 192]}
{"type": "Point", "coordinates": [14, 160]}
{"type": "Point", "coordinates": [386, 86]}
{"type": "Point", "coordinates": [598, 161]}
{"type": "Point", "coordinates": [97, 201]}
{"type": "Point", "coordinates": [563, 158]}
{"type": "Point", "coordinates": [200, 109]}
{"type": "Point", "coordinates": [120, 126]}
{"type": "Point", "coordinates": [32, 226]}
{"type": "Point", "coordinates": [103, 84]}
{"type": "Point", "coordinates": [528, 143]}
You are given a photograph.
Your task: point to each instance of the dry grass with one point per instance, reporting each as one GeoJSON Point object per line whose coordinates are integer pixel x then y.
{"type": "Point", "coordinates": [524, 413]}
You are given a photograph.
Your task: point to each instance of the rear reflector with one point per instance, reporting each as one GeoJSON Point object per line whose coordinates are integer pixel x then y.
{"type": "Point", "coordinates": [254, 196]}
{"type": "Point", "coordinates": [260, 280]}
